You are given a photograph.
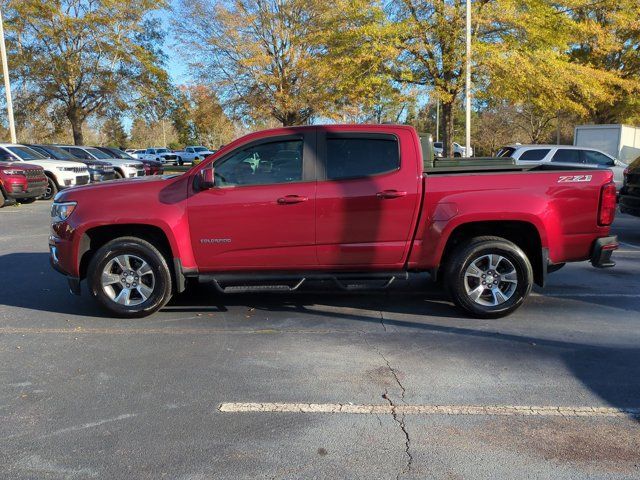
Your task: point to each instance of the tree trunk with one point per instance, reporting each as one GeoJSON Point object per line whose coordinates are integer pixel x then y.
{"type": "Point", "coordinates": [76, 121]}
{"type": "Point", "coordinates": [447, 134]}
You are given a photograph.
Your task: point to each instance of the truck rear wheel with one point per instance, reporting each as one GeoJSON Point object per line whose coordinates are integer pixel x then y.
{"type": "Point", "coordinates": [489, 277]}
{"type": "Point", "coordinates": [130, 278]}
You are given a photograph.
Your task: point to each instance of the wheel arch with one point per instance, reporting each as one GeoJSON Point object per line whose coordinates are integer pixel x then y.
{"type": "Point", "coordinates": [94, 238]}
{"type": "Point", "coordinates": [522, 233]}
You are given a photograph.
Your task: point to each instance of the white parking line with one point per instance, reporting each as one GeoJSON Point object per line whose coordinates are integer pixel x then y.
{"type": "Point", "coordinates": [587, 295]}
{"type": "Point", "coordinates": [478, 410]}
{"type": "Point", "coordinates": [637, 247]}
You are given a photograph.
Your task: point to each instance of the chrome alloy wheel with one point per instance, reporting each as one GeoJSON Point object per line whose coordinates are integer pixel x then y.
{"type": "Point", "coordinates": [490, 280]}
{"type": "Point", "coordinates": [128, 280]}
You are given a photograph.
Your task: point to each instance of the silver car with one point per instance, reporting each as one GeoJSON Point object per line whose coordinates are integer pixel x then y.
{"type": "Point", "coordinates": [567, 155]}
{"type": "Point", "coordinates": [123, 168]}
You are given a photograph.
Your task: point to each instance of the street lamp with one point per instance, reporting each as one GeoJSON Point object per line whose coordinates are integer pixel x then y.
{"type": "Point", "coordinates": [468, 82]}
{"type": "Point", "coordinates": [7, 83]}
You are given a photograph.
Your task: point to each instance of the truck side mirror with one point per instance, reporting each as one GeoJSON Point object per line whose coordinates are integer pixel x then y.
{"type": "Point", "coordinates": [207, 179]}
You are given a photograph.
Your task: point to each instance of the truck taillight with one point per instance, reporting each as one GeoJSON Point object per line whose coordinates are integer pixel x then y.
{"type": "Point", "coordinates": [608, 200]}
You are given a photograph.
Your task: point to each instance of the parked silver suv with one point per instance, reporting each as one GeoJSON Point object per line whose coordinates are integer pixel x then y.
{"type": "Point", "coordinates": [565, 154]}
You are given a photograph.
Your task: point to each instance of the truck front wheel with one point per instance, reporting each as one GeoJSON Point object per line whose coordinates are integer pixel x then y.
{"type": "Point", "coordinates": [489, 277]}
{"type": "Point", "coordinates": [129, 277]}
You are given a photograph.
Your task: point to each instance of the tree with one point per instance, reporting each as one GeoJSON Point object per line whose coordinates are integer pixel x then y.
{"type": "Point", "coordinates": [522, 53]}
{"type": "Point", "coordinates": [611, 42]}
{"type": "Point", "coordinates": [159, 133]}
{"type": "Point", "coordinates": [289, 60]}
{"type": "Point", "coordinates": [114, 132]}
{"type": "Point", "coordinates": [79, 57]}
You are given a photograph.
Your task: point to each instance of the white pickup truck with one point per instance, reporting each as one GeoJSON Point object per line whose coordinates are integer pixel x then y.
{"type": "Point", "coordinates": [158, 154]}
{"type": "Point", "coordinates": [193, 154]}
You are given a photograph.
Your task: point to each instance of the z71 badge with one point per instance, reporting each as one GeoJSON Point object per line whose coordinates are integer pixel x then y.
{"type": "Point", "coordinates": [575, 178]}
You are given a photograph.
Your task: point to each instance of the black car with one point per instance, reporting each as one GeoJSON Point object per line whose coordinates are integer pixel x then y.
{"type": "Point", "coordinates": [630, 192]}
{"type": "Point", "coordinates": [99, 171]}
{"type": "Point", "coordinates": [151, 167]}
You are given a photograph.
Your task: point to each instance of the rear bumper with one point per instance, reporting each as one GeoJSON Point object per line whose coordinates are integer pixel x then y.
{"type": "Point", "coordinates": [602, 251]}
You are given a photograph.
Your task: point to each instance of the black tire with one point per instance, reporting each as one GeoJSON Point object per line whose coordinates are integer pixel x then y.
{"type": "Point", "coordinates": [26, 201]}
{"type": "Point", "coordinates": [457, 155]}
{"type": "Point", "coordinates": [475, 250]}
{"type": "Point", "coordinates": [52, 189]}
{"type": "Point", "coordinates": [119, 174]}
{"type": "Point", "coordinates": [162, 285]}
{"type": "Point", "coordinates": [180, 162]}
{"type": "Point", "coordinates": [3, 199]}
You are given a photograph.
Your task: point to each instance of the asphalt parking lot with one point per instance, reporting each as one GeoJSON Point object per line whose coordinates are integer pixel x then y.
{"type": "Point", "coordinates": [317, 384]}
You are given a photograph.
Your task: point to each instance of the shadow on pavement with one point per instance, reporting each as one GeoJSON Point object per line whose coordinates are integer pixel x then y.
{"type": "Point", "coordinates": [611, 373]}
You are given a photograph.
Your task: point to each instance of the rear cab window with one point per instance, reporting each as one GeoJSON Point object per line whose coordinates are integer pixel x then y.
{"type": "Point", "coordinates": [506, 152]}
{"type": "Point", "coordinates": [361, 155]}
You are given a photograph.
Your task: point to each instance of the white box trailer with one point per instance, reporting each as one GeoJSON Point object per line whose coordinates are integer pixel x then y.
{"type": "Point", "coordinates": [619, 141]}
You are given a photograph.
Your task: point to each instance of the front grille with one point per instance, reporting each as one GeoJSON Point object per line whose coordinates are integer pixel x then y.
{"type": "Point", "coordinates": [170, 157]}
{"type": "Point", "coordinates": [141, 173]}
{"type": "Point", "coordinates": [82, 180]}
{"type": "Point", "coordinates": [34, 173]}
{"type": "Point", "coordinates": [76, 169]}
{"type": "Point", "coordinates": [37, 183]}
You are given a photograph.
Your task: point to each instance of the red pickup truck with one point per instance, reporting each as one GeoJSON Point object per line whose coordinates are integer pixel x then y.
{"type": "Point", "coordinates": [360, 205]}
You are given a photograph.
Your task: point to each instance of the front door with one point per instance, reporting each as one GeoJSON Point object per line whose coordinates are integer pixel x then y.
{"type": "Point", "coordinates": [366, 200]}
{"type": "Point", "coordinates": [260, 214]}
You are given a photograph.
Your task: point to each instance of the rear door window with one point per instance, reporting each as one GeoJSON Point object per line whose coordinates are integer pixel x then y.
{"type": "Point", "coordinates": [360, 156]}
{"type": "Point", "coordinates": [535, 154]}
{"type": "Point", "coordinates": [567, 156]}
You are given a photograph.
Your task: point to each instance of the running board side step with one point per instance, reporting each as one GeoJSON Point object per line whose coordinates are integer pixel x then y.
{"type": "Point", "coordinates": [284, 282]}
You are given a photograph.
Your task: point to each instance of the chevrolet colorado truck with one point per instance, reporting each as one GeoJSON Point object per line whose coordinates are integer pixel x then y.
{"type": "Point", "coordinates": [353, 204]}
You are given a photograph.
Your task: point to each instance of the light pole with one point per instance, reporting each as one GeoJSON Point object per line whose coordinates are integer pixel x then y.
{"type": "Point", "coordinates": [468, 82]}
{"type": "Point", "coordinates": [7, 83]}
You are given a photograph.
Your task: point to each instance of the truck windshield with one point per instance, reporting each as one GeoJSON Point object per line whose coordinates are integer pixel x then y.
{"type": "Point", "coordinates": [25, 153]}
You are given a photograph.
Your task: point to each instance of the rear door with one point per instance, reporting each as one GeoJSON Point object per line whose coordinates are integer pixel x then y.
{"type": "Point", "coordinates": [367, 198]}
{"type": "Point", "coordinates": [261, 213]}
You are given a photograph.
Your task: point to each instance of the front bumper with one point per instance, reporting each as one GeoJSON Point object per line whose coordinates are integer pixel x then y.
{"type": "Point", "coordinates": [602, 251]}
{"type": "Point", "coordinates": [54, 260]}
{"type": "Point", "coordinates": [102, 176]}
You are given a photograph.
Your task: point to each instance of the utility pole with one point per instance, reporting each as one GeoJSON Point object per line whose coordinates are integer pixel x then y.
{"type": "Point", "coordinates": [164, 135]}
{"type": "Point", "coordinates": [438, 120]}
{"type": "Point", "coordinates": [7, 83]}
{"type": "Point", "coordinates": [468, 82]}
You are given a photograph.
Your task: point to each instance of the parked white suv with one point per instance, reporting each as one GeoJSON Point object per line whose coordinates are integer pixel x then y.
{"type": "Point", "coordinates": [123, 168]}
{"type": "Point", "coordinates": [60, 173]}
{"type": "Point", "coordinates": [565, 154]}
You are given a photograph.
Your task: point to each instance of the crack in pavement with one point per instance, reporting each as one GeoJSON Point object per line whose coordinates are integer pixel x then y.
{"type": "Point", "coordinates": [398, 418]}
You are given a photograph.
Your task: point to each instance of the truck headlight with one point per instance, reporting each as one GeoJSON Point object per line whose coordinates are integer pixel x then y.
{"type": "Point", "coordinates": [61, 211]}
{"type": "Point", "coordinates": [15, 172]}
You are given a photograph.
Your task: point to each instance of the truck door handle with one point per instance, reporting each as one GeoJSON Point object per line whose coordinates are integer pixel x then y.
{"type": "Point", "coordinates": [388, 194]}
{"type": "Point", "coordinates": [291, 199]}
